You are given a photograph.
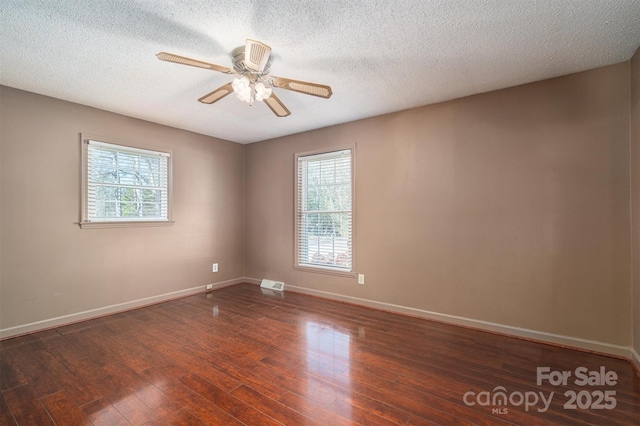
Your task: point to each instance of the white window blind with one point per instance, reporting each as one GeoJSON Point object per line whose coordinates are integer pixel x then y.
{"type": "Point", "coordinates": [126, 184]}
{"type": "Point", "coordinates": [324, 222]}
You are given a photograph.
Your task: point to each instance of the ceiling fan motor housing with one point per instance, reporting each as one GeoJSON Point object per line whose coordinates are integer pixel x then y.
{"type": "Point", "coordinates": [254, 58]}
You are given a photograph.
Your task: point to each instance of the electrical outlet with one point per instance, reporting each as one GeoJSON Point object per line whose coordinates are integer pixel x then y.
{"type": "Point", "coordinates": [215, 267]}
{"type": "Point", "coordinates": [209, 286]}
{"type": "Point", "coordinates": [361, 279]}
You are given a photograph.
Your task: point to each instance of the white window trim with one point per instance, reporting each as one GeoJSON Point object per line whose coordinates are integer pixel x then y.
{"type": "Point", "coordinates": [325, 269]}
{"type": "Point", "coordinates": [84, 222]}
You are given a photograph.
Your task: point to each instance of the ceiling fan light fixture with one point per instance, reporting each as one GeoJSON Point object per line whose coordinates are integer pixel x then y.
{"type": "Point", "coordinates": [242, 88]}
{"type": "Point", "coordinates": [262, 92]}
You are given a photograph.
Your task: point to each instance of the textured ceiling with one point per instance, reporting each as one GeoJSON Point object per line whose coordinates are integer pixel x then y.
{"type": "Point", "coordinates": [378, 56]}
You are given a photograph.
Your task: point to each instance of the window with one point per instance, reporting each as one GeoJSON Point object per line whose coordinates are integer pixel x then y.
{"type": "Point", "coordinates": [124, 185]}
{"type": "Point", "coordinates": [324, 215]}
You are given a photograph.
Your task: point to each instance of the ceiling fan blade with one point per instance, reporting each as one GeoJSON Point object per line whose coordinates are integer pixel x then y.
{"type": "Point", "coordinates": [217, 94]}
{"type": "Point", "coordinates": [313, 89]}
{"type": "Point", "coordinates": [256, 55]}
{"type": "Point", "coordinates": [170, 57]}
{"type": "Point", "coordinates": [277, 106]}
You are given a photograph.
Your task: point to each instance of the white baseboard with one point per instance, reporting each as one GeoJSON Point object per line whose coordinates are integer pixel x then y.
{"type": "Point", "coordinates": [107, 310]}
{"type": "Point", "coordinates": [572, 342]}
{"type": "Point", "coordinates": [635, 360]}
{"type": "Point", "coordinates": [556, 339]}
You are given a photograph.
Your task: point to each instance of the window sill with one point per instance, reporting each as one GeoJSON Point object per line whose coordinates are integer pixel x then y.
{"type": "Point", "coordinates": [132, 224]}
{"type": "Point", "coordinates": [327, 271]}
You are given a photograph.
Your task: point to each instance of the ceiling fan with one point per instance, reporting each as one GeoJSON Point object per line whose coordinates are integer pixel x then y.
{"type": "Point", "coordinates": [251, 66]}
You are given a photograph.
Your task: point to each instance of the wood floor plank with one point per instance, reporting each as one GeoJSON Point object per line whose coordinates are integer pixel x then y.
{"type": "Point", "coordinates": [33, 339]}
{"type": "Point", "coordinates": [64, 411]}
{"type": "Point", "coordinates": [316, 412]}
{"type": "Point", "coordinates": [417, 421]}
{"type": "Point", "coordinates": [10, 375]}
{"type": "Point", "coordinates": [102, 337]}
{"type": "Point", "coordinates": [102, 413]}
{"type": "Point", "coordinates": [180, 418]}
{"type": "Point", "coordinates": [383, 406]}
{"type": "Point", "coordinates": [6, 418]}
{"type": "Point", "coordinates": [26, 407]}
{"type": "Point", "coordinates": [232, 405]}
{"type": "Point", "coordinates": [272, 408]}
{"type": "Point", "coordinates": [359, 414]}
{"type": "Point", "coordinates": [65, 351]}
{"type": "Point", "coordinates": [133, 409]}
{"type": "Point", "coordinates": [40, 380]}
{"type": "Point", "coordinates": [237, 356]}
{"type": "Point", "coordinates": [155, 399]}
{"type": "Point", "coordinates": [75, 384]}
{"type": "Point", "coordinates": [304, 385]}
{"type": "Point", "coordinates": [89, 348]}
{"type": "Point", "coordinates": [189, 398]}
{"type": "Point", "coordinates": [243, 375]}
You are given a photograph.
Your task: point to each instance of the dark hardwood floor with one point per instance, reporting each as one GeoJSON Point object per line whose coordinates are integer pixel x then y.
{"type": "Point", "coordinates": [237, 356]}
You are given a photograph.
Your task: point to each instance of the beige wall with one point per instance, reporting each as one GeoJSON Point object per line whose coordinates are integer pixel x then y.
{"type": "Point", "coordinates": [50, 267]}
{"type": "Point", "coordinates": [635, 194]}
{"type": "Point", "coordinates": [510, 207]}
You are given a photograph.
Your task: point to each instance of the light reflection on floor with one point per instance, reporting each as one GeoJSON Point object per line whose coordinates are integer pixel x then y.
{"type": "Point", "coordinates": [328, 355]}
